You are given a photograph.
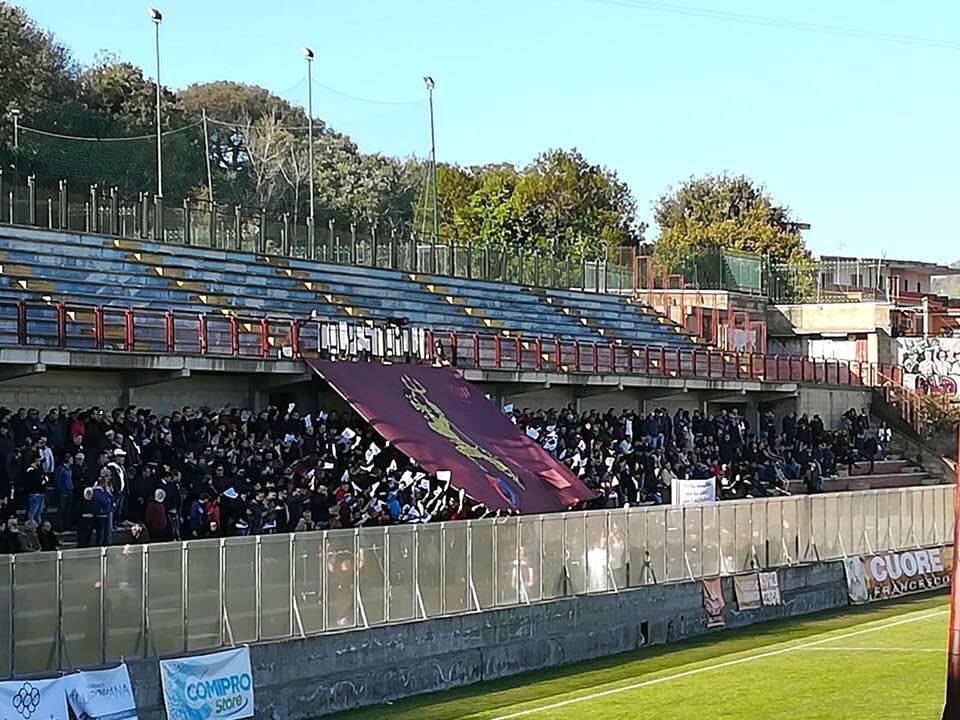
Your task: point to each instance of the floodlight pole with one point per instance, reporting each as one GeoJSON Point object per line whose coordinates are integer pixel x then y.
{"type": "Point", "coordinates": [308, 54]}
{"type": "Point", "coordinates": [157, 17]}
{"type": "Point", "coordinates": [433, 171]}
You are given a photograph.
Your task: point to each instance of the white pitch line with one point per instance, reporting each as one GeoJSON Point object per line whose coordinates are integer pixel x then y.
{"type": "Point", "coordinates": [718, 666]}
{"type": "Point", "coordinates": [842, 648]}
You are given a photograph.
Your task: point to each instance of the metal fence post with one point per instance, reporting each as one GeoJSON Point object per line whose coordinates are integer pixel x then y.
{"type": "Point", "coordinates": [221, 605]}
{"type": "Point", "coordinates": [185, 602]}
{"type": "Point", "coordinates": [103, 605]}
{"type": "Point", "coordinates": [144, 585]}
{"type": "Point", "coordinates": [258, 577]}
{"type": "Point", "coordinates": [32, 196]}
{"type": "Point", "coordinates": [62, 200]}
{"type": "Point", "coordinates": [12, 626]}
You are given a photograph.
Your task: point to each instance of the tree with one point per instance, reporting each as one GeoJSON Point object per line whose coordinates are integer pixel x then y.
{"type": "Point", "coordinates": [722, 212]}
{"type": "Point", "coordinates": [575, 207]}
{"type": "Point", "coordinates": [37, 70]}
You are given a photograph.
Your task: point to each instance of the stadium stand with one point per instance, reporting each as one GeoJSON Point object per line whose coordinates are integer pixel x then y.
{"type": "Point", "coordinates": [80, 268]}
{"type": "Point", "coordinates": [204, 473]}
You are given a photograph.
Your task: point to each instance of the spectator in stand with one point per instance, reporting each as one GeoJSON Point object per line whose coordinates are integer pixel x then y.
{"type": "Point", "coordinates": [10, 537]}
{"type": "Point", "coordinates": [870, 450]}
{"type": "Point", "coordinates": [86, 518]}
{"type": "Point", "coordinates": [47, 537]}
{"type": "Point", "coordinates": [64, 491]}
{"type": "Point", "coordinates": [884, 436]}
{"type": "Point", "coordinates": [155, 517]}
{"type": "Point", "coordinates": [29, 541]}
{"type": "Point", "coordinates": [103, 506]}
{"type": "Point", "coordinates": [35, 487]}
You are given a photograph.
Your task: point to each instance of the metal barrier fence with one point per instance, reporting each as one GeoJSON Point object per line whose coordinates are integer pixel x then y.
{"type": "Point", "coordinates": [55, 205]}
{"type": "Point", "coordinates": [87, 607]}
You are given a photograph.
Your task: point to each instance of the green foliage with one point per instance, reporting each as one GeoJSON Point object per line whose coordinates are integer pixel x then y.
{"type": "Point", "coordinates": [558, 204]}
{"type": "Point", "coordinates": [719, 211]}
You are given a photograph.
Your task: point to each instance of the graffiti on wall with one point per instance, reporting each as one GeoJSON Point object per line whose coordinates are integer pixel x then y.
{"type": "Point", "coordinates": [931, 365]}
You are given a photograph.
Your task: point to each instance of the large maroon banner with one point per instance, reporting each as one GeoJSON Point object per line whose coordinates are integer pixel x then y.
{"type": "Point", "coordinates": [443, 423]}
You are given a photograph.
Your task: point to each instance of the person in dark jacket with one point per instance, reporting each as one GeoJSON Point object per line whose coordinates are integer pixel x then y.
{"type": "Point", "coordinates": [86, 518]}
{"type": "Point", "coordinates": [64, 488]}
{"type": "Point", "coordinates": [35, 486]}
{"type": "Point", "coordinates": [10, 537]}
{"type": "Point", "coordinates": [47, 537]}
{"type": "Point", "coordinates": [103, 503]}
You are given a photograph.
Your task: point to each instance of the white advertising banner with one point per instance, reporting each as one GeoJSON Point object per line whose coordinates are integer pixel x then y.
{"type": "Point", "coordinates": [33, 700]}
{"type": "Point", "coordinates": [693, 492]}
{"type": "Point", "coordinates": [208, 687]}
{"type": "Point", "coordinates": [101, 694]}
{"type": "Point", "coordinates": [770, 588]}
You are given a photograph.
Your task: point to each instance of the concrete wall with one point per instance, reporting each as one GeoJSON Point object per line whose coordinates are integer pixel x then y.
{"type": "Point", "coordinates": [325, 674]}
{"type": "Point", "coordinates": [829, 317]}
{"type": "Point", "coordinates": [74, 388]}
{"type": "Point", "coordinates": [831, 403]}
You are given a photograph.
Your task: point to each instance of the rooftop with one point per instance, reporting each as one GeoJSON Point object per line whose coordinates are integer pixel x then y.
{"type": "Point", "coordinates": [932, 268]}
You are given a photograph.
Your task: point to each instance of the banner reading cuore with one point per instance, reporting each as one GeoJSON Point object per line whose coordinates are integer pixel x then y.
{"type": "Point", "coordinates": [208, 687]}
{"type": "Point", "coordinates": [887, 575]}
{"type": "Point", "coordinates": [441, 421]}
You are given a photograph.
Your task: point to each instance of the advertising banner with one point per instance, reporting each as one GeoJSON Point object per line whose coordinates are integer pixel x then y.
{"type": "Point", "coordinates": [713, 604]}
{"type": "Point", "coordinates": [770, 588]}
{"type": "Point", "coordinates": [101, 694]}
{"type": "Point", "coordinates": [747, 590]}
{"type": "Point", "coordinates": [33, 700]}
{"type": "Point", "coordinates": [856, 580]}
{"type": "Point", "coordinates": [894, 574]}
{"type": "Point", "coordinates": [693, 492]}
{"type": "Point", "coordinates": [208, 687]}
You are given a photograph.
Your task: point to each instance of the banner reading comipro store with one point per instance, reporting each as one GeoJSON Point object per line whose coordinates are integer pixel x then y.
{"type": "Point", "coordinates": [208, 687]}
{"type": "Point", "coordinates": [894, 574]}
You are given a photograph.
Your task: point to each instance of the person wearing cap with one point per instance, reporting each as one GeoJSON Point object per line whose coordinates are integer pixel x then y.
{"type": "Point", "coordinates": [155, 517]}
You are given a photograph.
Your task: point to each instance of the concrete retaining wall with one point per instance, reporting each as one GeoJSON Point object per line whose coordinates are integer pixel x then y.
{"type": "Point", "coordinates": [319, 675]}
{"type": "Point", "coordinates": [830, 403]}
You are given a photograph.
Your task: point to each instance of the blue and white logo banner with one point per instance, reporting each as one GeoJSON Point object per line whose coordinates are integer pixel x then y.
{"type": "Point", "coordinates": [101, 694]}
{"type": "Point", "coordinates": [208, 687]}
{"type": "Point", "coordinates": [33, 700]}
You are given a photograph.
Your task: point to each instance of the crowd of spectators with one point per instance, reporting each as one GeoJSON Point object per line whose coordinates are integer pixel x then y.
{"type": "Point", "coordinates": [201, 473]}
{"type": "Point", "coordinates": [632, 459]}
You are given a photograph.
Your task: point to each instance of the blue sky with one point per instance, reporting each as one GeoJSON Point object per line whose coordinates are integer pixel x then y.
{"type": "Point", "coordinates": [857, 136]}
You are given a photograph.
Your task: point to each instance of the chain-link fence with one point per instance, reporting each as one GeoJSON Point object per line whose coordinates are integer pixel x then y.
{"type": "Point", "coordinates": [87, 607]}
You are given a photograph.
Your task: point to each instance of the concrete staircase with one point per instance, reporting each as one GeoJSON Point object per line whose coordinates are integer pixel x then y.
{"type": "Point", "coordinates": [895, 472]}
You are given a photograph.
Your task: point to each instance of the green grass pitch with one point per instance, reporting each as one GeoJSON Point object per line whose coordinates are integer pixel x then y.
{"type": "Point", "coordinates": [883, 661]}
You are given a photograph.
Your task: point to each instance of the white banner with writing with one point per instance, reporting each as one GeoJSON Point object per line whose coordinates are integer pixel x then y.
{"type": "Point", "coordinates": [208, 687]}
{"type": "Point", "coordinates": [693, 492]}
{"type": "Point", "coordinates": [101, 694]}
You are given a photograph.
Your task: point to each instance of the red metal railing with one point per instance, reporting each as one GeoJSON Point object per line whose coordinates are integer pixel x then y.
{"type": "Point", "coordinates": [87, 327]}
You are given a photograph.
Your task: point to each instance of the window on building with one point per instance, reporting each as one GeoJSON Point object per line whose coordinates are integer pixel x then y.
{"type": "Point", "coordinates": [918, 287]}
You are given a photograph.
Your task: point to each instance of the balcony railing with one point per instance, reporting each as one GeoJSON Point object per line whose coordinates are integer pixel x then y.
{"type": "Point", "coordinates": [75, 326]}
